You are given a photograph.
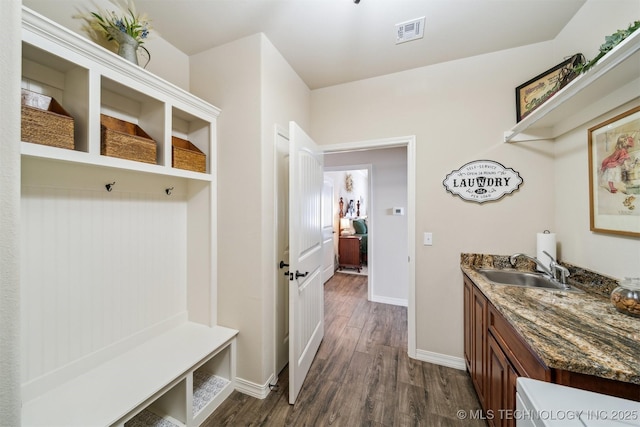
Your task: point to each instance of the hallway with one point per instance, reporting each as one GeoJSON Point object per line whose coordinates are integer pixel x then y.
{"type": "Point", "coordinates": [361, 375]}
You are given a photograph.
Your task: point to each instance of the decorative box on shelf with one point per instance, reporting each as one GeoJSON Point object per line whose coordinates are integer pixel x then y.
{"type": "Point", "coordinates": [187, 156]}
{"type": "Point", "coordinates": [45, 122]}
{"type": "Point", "coordinates": [125, 140]}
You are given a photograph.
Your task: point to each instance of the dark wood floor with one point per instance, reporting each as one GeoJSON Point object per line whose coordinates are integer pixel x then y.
{"type": "Point", "coordinates": [361, 375]}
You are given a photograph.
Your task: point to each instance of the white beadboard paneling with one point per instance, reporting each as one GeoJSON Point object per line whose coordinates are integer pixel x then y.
{"type": "Point", "coordinates": [97, 266]}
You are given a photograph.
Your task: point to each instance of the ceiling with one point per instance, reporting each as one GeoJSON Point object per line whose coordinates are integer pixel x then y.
{"type": "Point", "coordinates": [328, 42]}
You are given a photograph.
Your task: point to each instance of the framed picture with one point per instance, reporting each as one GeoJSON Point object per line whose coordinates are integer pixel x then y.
{"type": "Point", "coordinates": [538, 90]}
{"type": "Point", "coordinates": [614, 175]}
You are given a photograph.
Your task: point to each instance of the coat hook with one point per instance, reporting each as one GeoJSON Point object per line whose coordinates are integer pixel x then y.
{"type": "Point", "coordinates": [168, 191]}
{"type": "Point", "coordinates": [109, 187]}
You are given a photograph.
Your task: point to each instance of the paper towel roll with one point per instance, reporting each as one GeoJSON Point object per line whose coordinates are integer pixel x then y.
{"type": "Point", "coordinates": [546, 241]}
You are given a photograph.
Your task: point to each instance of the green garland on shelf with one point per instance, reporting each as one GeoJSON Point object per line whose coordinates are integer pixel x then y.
{"type": "Point", "coordinates": [609, 43]}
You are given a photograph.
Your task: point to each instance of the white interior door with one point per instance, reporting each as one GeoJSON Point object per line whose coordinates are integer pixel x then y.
{"type": "Point", "coordinates": [306, 297]}
{"type": "Point", "coordinates": [282, 241]}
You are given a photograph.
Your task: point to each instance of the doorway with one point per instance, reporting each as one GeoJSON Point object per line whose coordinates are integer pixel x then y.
{"type": "Point", "coordinates": [386, 232]}
{"type": "Point", "coordinates": [407, 266]}
{"type": "Point", "coordinates": [350, 216]}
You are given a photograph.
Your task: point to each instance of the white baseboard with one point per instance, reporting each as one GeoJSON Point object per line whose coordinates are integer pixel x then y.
{"type": "Point", "coordinates": [441, 359]}
{"type": "Point", "coordinates": [259, 391]}
{"type": "Point", "coordinates": [391, 301]}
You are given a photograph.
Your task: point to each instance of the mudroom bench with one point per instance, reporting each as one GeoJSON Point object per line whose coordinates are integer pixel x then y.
{"type": "Point", "coordinates": [179, 378]}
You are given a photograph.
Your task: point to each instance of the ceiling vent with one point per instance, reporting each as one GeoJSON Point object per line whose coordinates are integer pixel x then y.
{"type": "Point", "coordinates": [410, 30]}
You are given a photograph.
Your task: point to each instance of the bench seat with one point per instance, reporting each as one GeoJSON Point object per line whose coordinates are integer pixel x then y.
{"type": "Point", "coordinates": [118, 389]}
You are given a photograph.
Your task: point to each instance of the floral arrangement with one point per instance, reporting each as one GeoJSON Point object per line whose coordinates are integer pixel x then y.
{"type": "Point", "coordinates": [128, 21]}
{"type": "Point", "coordinates": [609, 43]}
{"type": "Point", "coordinates": [113, 26]}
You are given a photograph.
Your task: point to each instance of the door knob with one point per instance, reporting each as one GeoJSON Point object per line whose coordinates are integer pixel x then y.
{"type": "Point", "coordinates": [298, 274]}
{"type": "Point", "coordinates": [283, 264]}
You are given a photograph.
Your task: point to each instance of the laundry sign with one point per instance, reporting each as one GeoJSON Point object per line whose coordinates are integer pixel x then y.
{"type": "Point", "coordinates": [482, 181]}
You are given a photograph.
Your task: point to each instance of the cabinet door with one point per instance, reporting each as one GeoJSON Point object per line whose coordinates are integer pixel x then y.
{"type": "Point", "coordinates": [512, 377]}
{"type": "Point", "coordinates": [468, 316]}
{"type": "Point", "coordinates": [500, 389]}
{"type": "Point", "coordinates": [349, 250]}
{"type": "Point", "coordinates": [478, 342]}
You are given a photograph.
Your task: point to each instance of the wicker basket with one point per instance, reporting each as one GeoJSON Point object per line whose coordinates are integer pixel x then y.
{"type": "Point", "coordinates": [45, 122]}
{"type": "Point", "coordinates": [185, 155]}
{"type": "Point", "coordinates": [126, 141]}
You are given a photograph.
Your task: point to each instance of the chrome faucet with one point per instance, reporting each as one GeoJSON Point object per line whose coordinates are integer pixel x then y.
{"type": "Point", "coordinates": [540, 265]}
{"type": "Point", "coordinates": [551, 271]}
{"type": "Point", "coordinates": [557, 268]}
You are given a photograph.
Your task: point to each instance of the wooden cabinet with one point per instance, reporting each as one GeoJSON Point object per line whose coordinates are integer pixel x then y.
{"type": "Point", "coordinates": [468, 322]}
{"type": "Point", "coordinates": [479, 341]}
{"type": "Point", "coordinates": [475, 336]}
{"type": "Point", "coordinates": [520, 355]}
{"type": "Point", "coordinates": [491, 346]}
{"type": "Point", "coordinates": [496, 355]}
{"type": "Point", "coordinates": [500, 391]}
{"type": "Point", "coordinates": [349, 252]}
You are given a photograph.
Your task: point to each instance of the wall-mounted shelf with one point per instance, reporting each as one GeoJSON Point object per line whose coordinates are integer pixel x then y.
{"type": "Point", "coordinates": [612, 81]}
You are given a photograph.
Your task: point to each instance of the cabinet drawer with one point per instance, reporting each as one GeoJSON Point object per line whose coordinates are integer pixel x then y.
{"type": "Point", "coordinates": [524, 360]}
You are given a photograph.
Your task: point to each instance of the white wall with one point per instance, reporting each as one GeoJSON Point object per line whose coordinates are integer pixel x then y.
{"type": "Point", "coordinates": [167, 62]}
{"type": "Point", "coordinates": [10, 399]}
{"type": "Point", "coordinates": [388, 277]}
{"type": "Point", "coordinates": [458, 112]}
{"type": "Point", "coordinates": [616, 256]}
{"type": "Point", "coordinates": [256, 90]}
{"type": "Point", "coordinates": [229, 77]}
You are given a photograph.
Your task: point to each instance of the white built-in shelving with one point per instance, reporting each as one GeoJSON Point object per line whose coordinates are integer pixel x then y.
{"type": "Point", "coordinates": [611, 82]}
{"type": "Point", "coordinates": [118, 286]}
{"type": "Point", "coordinates": [88, 80]}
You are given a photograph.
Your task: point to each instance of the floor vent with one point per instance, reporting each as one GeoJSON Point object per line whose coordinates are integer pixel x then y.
{"type": "Point", "coordinates": [410, 30]}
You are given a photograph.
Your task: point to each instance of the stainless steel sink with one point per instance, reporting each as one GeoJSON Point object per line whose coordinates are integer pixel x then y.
{"type": "Point", "coordinates": [524, 279]}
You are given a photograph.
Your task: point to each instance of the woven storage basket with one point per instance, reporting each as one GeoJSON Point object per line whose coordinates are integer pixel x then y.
{"type": "Point", "coordinates": [45, 122]}
{"type": "Point", "coordinates": [126, 141]}
{"type": "Point", "coordinates": [185, 155]}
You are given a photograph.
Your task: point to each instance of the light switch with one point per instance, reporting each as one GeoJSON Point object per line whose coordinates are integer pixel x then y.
{"type": "Point", "coordinates": [428, 239]}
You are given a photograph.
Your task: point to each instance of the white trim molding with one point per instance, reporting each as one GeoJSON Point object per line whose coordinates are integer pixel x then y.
{"type": "Point", "coordinates": [259, 391]}
{"type": "Point", "coordinates": [441, 359]}
{"type": "Point", "coordinates": [392, 301]}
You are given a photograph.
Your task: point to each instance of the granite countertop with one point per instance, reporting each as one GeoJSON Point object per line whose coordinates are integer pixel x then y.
{"type": "Point", "coordinates": [577, 332]}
